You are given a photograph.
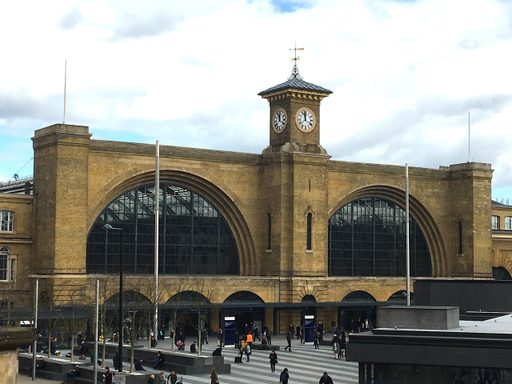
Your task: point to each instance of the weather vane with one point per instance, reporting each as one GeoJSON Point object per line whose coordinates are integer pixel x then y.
{"type": "Point", "coordinates": [295, 70]}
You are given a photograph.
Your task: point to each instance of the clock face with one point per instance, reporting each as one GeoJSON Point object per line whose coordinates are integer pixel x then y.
{"type": "Point", "coordinates": [305, 120]}
{"type": "Point", "coordinates": [279, 120]}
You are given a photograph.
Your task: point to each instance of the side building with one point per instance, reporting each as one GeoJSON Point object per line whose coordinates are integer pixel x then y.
{"type": "Point", "coordinates": [266, 237]}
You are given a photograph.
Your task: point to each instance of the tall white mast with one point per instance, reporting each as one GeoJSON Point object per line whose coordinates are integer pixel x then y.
{"type": "Point", "coordinates": [407, 243]}
{"type": "Point", "coordinates": [157, 231]}
{"type": "Point", "coordinates": [65, 90]}
{"type": "Point", "coordinates": [469, 137]}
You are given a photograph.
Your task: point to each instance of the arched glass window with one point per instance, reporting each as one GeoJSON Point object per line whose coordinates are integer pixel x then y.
{"type": "Point", "coordinates": [194, 237]}
{"type": "Point", "coordinates": [367, 238]}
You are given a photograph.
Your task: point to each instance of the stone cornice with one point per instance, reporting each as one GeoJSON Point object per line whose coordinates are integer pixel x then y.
{"type": "Point", "coordinates": [14, 337]}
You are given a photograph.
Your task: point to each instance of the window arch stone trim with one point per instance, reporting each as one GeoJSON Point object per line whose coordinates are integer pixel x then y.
{"type": "Point", "coordinates": [222, 202]}
{"type": "Point", "coordinates": [440, 265]}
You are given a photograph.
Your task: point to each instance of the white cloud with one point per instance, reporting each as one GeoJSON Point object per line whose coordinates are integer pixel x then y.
{"type": "Point", "coordinates": [404, 73]}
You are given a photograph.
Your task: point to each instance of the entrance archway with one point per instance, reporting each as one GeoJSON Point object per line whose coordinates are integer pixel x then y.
{"type": "Point", "coordinates": [136, 315]}
{"type": "Point", "coordinates": [247, 316]}
{"type": "Point", "coordinates": [357, 311]}
{"type": "Point", "coordinates": [186, 313]}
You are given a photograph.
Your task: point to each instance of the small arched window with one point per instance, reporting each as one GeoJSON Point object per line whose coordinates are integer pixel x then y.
{"type": "Point", "coordinates": [6, 221]}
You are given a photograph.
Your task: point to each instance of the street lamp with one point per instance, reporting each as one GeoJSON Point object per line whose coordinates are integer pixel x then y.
{"type": "Point", "coordinates": [108, 227]}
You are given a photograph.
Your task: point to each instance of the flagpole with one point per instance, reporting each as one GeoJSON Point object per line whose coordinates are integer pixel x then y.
{"type": "Point", "coordinates": [469, 137]}
{"type": "Point", "coordinates": [65, 90]}
{"type": "Point", "coordinates": [36, 311]}
{"type": "Point", "coordinates": [96, 328]}
{"type": "Point", "coordinates": [157, 231]}
{"type": "Point", "coordinates": [407, 242]}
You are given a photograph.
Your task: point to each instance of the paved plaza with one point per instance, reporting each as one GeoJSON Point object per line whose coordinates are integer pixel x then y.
{"type": "Point", "coordinates": [305, 366]}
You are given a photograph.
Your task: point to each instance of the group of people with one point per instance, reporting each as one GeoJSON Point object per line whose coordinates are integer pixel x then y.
{"type": "Point", "coordinates": [285, 376]}
{"type": "Point", "coordinates": [172, 378]}
{"type": "Point", "coordinates": [339, 343]}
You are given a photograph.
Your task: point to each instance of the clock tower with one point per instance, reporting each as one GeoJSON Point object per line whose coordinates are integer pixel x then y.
{"type": "Point", "coordinates": [295, 115]}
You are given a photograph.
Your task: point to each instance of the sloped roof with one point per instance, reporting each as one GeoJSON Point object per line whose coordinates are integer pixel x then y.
{"type": "Point", "coordinates": [295, 81]}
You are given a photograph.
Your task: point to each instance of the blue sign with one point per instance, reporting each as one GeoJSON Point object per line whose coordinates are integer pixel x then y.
{"type": "Point", "coordinates": [309, 328]}
{"type": "Point", "coordinates": [229, 330]}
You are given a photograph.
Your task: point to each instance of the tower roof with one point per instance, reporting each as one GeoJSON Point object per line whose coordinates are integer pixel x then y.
{"type": "Point", "coordinates": [295, 82]}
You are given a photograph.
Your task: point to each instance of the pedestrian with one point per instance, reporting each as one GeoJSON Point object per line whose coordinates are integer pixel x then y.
{"type": "Point", "coordinates": [315, 339]}
{"type": "Point", "coordinates": [288, 341]}
{"type": "Point", "coordinates": [248, 351]}
{"type": "Point", "coordinates": [249, 337]}
{"type": "Point", "coordinates": [214, 379]}
{"type": "Point", "coordinates": [273, 360]}
{"type": "Point", "coordinates": [325, 379]}
{"type": "Point", "coordinates": [172, 378]}
{"type": "Point", "coordinates": [220, 337]}
{"type": "Point", "coordinates": [269, 337]}
{"type": "Point", "coordinates": [73, 372]}
{"type": "Point", "coordinates": [161, 378]}
{"type": "Point", "coordinates": [118, 364]}
{"type": "Point", "coordinates": [138, 365]}
{"type": "Point", "coordinates": [343, 344]}
{"type": "Point", "coordinates": [151, 379]}
{"type": "Point", "coordinates": [159, 361]}
{"type": "Point", "coordinates": [283, 378]}
{"type": "Point", "coordinates": [107, 376]}
{"type": "Point", "coordinates": [243, 346]}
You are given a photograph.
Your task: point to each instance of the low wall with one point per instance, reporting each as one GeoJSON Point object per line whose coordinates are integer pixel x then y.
{"type": "Point", "coordinates": [11, 339]}
{"type": "Point", "coordinates": [182, 362]}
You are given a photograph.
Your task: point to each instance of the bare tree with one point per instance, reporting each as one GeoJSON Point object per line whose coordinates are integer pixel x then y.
{"type": "Point", "coordinates": [72, 299]}
{"type": "Point", "coordinates": [205, 290]}
{"type": "Point", "coordinates": [105, 321]}
{"type": "Point", "coordinates": [137, 312]}
{"type": "Point", "coordinates": [177, 313]}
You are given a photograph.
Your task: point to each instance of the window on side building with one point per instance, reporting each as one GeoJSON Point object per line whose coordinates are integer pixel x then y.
{"type": "Point", "coordinates": [6, 221]}
{"type": "Point", "coordinates": [495, 222]}
{"type": "Point", "coordinates": [508, 223]}
{"type": "Point", "coordinates": [4, 264]}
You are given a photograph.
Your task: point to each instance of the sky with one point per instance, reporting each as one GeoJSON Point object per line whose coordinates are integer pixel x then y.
{"type": "Point", "coordinates": [410, 79]}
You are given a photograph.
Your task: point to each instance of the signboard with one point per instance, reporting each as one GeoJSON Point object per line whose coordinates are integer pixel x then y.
{"type": "Point", "coordinates": [229, 330]}
{"type": "Point", "coordinates": [309, 328]}
{"type": "Point", "coordinates": [118, 378]}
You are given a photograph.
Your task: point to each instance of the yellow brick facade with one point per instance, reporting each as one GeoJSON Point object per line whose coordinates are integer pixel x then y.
{"type": "Point", "coordinates": [75, 177]}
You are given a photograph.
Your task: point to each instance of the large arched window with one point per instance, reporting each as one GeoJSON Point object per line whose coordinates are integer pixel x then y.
{"type": "Point", "coordinates": [367, 238]}
{"type": "Point", "coordinates": [194, 237]}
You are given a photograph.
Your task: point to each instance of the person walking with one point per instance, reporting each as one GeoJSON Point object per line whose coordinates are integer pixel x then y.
{"type": "Point", "coordinates": [248, 351]}
{"type": "Point", "coordinates": [273, 360]}
{"type": "Point", "coordinates": [73, 372]}
{"type": "Point", "coordinates": [107, 376]}
{"type": "Point", "coordinates": [283, 378]}
{"type": "Point", "coordinates": [220, 337]}
{"type": "Point", "coordinates": [172, 378]}
{"type": "Point", "coordinates": [288, 341]}
{"type": "Point", "coordinates": [214, 379]}
{"type": "Point", "coordinates": [315, 339]}
{"type": "Point", "coordinates": [325, 379]}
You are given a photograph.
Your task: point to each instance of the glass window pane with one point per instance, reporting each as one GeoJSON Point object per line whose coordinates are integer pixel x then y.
{"type": "Point", "coordinates": [194, 237]}
{"type": "Point", "coordinates": [367, 238]}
